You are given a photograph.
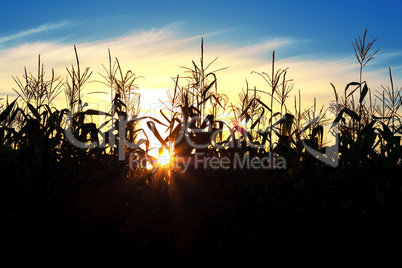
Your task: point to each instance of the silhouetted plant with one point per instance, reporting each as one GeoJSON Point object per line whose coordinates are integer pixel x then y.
{"type": "Point", "coordinates": [88, 197]}
{"type": "Point", "coordinates": [36, 88]}
{"type": "Point", "coordinates": [73, 88]}
{"type": "Point", "coordinates": [363, 57]}
{"type": "Point", "coordinates": [276, 81]}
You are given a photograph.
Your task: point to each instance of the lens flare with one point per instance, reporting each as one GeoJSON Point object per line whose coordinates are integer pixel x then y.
{"type": "Point", "coordinates": [164, 159]}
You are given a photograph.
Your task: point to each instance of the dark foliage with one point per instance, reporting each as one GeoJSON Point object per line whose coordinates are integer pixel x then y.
{"type": "Point", "coordinates": [61, 205]}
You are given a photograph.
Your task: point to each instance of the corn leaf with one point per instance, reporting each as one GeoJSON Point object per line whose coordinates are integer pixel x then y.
{"type": "Point", "coordinates": [34, 111]}
{"type": "Point", "coordinates": [7, 111]}
{"type": "Point", "coordinates": [151, 126]}
{"type": "Point", "coordinates": [207, 88]}
{"type": "Point", "coordinates": [386, 133]}
{"type": "Point", "coordinates": [318, 130]}
{"type": "Point", "coordinates": [364, 93]}
{"type": "Point", "coordinates": [209, 119]}
{"type": "Point", "coordinates": [352, 84]}
{"type": "Point", "coordinates": [351, 114]}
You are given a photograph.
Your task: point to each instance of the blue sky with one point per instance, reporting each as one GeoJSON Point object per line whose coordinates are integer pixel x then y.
{"type": "Point", "coordinates": [338, 21]}
{"type": "Point", "coordinates": [312, 35]}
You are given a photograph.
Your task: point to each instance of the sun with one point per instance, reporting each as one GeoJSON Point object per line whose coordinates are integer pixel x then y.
{"type": "Point", "coordinates": [164, 159]}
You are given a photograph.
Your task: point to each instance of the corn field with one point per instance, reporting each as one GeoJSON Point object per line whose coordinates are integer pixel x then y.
{"type": "Point", "coordinates": [73, 191]}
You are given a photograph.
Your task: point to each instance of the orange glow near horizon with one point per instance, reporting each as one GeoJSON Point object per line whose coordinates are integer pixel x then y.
{"type": "Point", "coordinates": [164, 159]}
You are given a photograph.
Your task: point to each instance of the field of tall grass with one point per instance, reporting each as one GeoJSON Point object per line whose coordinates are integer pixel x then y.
{"type": "Point", "coordinates": [76, 192]}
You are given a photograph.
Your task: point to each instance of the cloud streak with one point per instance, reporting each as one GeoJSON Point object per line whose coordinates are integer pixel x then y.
{"type": "Point", "coordinates": [42, 28]}
{"type": "Point", "coordinates": [158, 54]}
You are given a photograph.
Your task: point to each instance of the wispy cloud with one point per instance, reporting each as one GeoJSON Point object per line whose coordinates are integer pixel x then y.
{"type": "Point", "coordinates": [42, 28]}
{"type": "Point", "coordinates": [158, 54]}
